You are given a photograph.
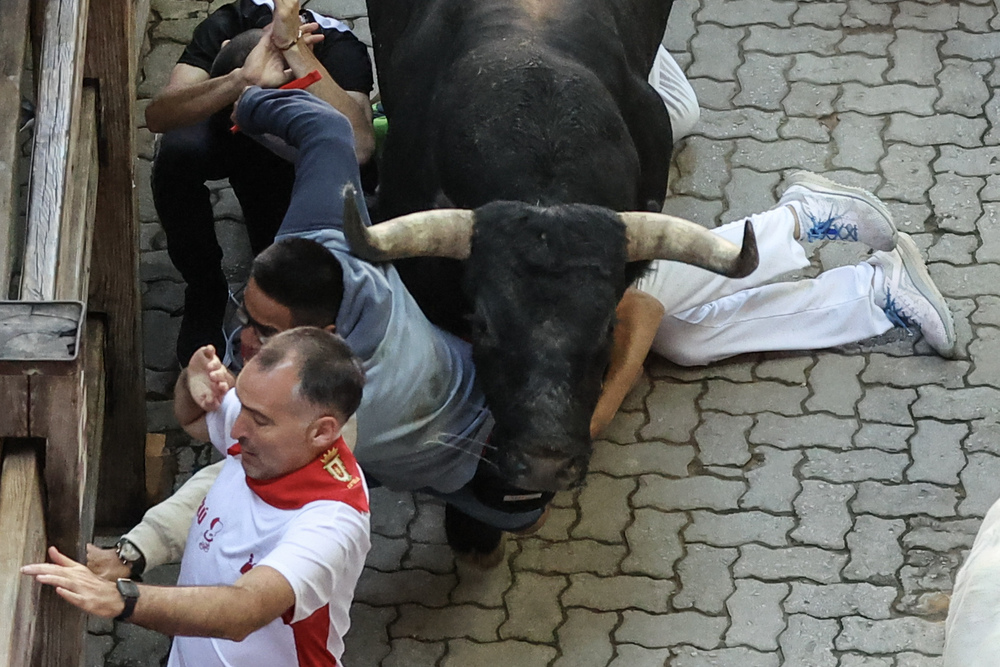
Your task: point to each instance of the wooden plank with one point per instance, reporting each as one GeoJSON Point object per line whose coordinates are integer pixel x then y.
{"type": "Point", "coordinates": [94, 384]}
{"type": "Point", "coordinates": [13, 42]}
{"type": "Point", "coordinates": [22, 524]}
{"type": "Point", "coordinates": [77, 234]}
{"type": "Point", "coordinates": [114, 279]}
{"type": "Point", "coordinates": [60, 83]}
{"type": "Point", "coordinates": [14, 399]}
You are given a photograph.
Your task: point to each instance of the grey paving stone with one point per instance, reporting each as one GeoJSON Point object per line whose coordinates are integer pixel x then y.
{"type": "Point", "coordinates": [808, 99]}
{"type": "Point", "coordinates": [926, 16]}
{"type": "Point", "coordinates": [772, 481]}
{"type": "Point", "coordinates": [825, 15]}
{"type": "Point", "coordinates": [838, 69]}
{"type": "Point", "coordinates": [642, 457]}
{"type": "Point", "coordinates": [989, 229]}
{"type": "Point", "coordinates": [762, 79]}
{"type": "Point", "coordinates": [386, 553]}
{"type": "Point", "coordinates": [891, 635]}
{"type": "Point", "coordinates": [940, 535]}
{"type": "Point", "coordinates": [749, 192]}
{"type": "Point", "coordinates": [157, 67]}
{"type": "Point", "coordinates": [854, 466]}
{"type": "Point", "coordinates": [946, 128]}
{"type": "Point", "coordinates": [367, 642]}
{"type": "Point", "coordinates": [664, 630]}
{"type": "Point", "coordinates": [776, 156]}
{"type": "Point", "coordinates": [428, 524]}
{"type": "Point", "coordinates": [985, 436]}
{"type": "Point", "coordinates": [533, 607]}
{"type": "Point", "coordinates": [898, 500]}
{"type": "Point", "coordinates": [956, 404]}
{"type": "Point", "coordinates": [840, 599]}
{"type": "Point", "coordinates": [727, 530]}
{"type": "Point", "coordinates": [861, 13]}
{"type": "Point", "coordinates": [672, 412]}
{"type": "Point", "coordinates": [654, 543]}
{"type": "Point", "coordinates": [914, 371]}
{"type": "Point", "coordinates": [712, 94]}
{"type": "Point", "coordinates": [391, 511]}
{"type": "Point", "coordinates": [462, 653]}
{"type": "Point", "coordinates": [910, 218]}
{"type": "Point", "coordinates": [955, 202]}
{"type": "Point", "coordinates": [915, 57]}
{"type": "Point", "coordinates": [721, 439]}
{"type": "Point", "coordinates": [406, 652]}
{"type": "Point", "coordinates": [975, 19]}
{"type": "Point", "coordinates": [426, 624]}
{"type": "Point", "coordinates": [968, 161]}
{"type": "Point", "coordinates": [585, 639]}
{"type": "Point", "coordinates": [834, 384]}
{"type": "Point", "coordinates": [937, 452]}
{"type": "Point", "coordinates": [485, 589]}
{"type": "Point", "coordinates": [789, 563]}
{"type": "Point", "coordinates": [681, 28]}
{"type": "Point", "coordinates": [959, 248]}
{"type": "Point", "coordinates": [790, 369]}
{"type": "Point", "coordinates": [963, 90]}
{"type": "Point", "coordinates": [764, 397]}
{"type": "Point", "coordinates": [604, 508]}
{"type": "Point", "coordinates": [738, 656]}
{"type": "Point", "coordinates": [907, 173]}
{"type": "Point", "coordinates": [742, 12]}
{"type": "Point", "coordinates": [859, 141]}
{"type": "Point", "coordinates": [386, 588]}
{"type": "Point", "coordinates": [807, 430]}
{"type": "Point", "coordinates": [809, 641]}
{"type": "Point", "coordinates": [755, 614]}
{"type": "Point", "coordinates": [987, 310]}
{"type": "Point", "coordinates": [619, 592]}
{"type": "Point", "coordinates": [705, 578]}
{"type": "Point", "coordinates": [858, 660]}
{"type": "Point", "coordinates": [874, 44]}
{"type": "Point", "coordinates": [698, 492]}
{"type": "Point", "coordinates": [909, 659]}
{"type": "Point", "coordinates": [791, 41]}
{"type": "Point", "coordinates": [97, 648]}
{"type": "Point", "coordinates": [569, 557]}
{"type": "Point", "coordinates": [887, 405]}
{"type": "Point", "coordinates": [979, 479]}
{"type": "Point", "coordinates": [737, 123]}
{"type": "Point", "coordinates": [875, 550]}
{"type": "Point", "coordinates": [138, 647]}
{"type": "Point", "coordinates": [436, 558]}
{"type": "Point", "coordinates": [728, 369]}
{"type": "Point", "coordinates": [822, 512]}
{"type": "Point", "coordinates": [884, 436]}
{"type": "Point", "coordinates": [890, 98]}
{"type": "Point", "coordinates": [983, 351]}
{"type": "Point", "coordinates": [631, 655]}
{"type": "Point", "coordinates": [716, 52]}
{"type": "Point", "coordinates": [708, 178]}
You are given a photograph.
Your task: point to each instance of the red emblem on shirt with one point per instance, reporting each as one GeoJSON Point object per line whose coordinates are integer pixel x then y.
{"type": "Point", "coordinates": [209, 535]}
{"type": "Point", "coordinates": [247, 566]}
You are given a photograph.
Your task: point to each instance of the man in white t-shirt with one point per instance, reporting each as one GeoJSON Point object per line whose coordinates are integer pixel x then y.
{"type": "Point", "coordinates": [276, 547]}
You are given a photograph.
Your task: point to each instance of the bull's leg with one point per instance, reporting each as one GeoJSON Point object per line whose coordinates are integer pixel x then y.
{"type": "Point", "coordinates": [473, 541]}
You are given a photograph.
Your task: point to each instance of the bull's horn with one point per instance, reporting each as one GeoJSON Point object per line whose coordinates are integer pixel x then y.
{"type": "Point", "coordinates": [445, 232]}
{"type": "Point", "coordinates": [659, 236]}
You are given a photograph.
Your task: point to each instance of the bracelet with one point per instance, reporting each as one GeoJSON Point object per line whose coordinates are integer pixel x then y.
{"type": "Point", "coordinates": [290, 44]}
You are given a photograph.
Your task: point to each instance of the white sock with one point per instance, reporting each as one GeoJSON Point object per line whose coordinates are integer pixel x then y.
{"type": "Point", "coordinates": [678, 96]}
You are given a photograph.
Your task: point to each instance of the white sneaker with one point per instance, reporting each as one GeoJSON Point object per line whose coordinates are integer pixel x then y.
{"type": "Point", "coordinates": [910, 298]}
{"type": "Point", "coordinates": [678, 96]}
{"type": "Point", "coordinates": [839, 212]}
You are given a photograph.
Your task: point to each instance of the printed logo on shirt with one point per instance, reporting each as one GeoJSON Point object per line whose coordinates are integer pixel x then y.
{"type": "Point", "coordinates": [247, 566]}
{"type": "Point", "coordinates": [202, 510]}
{"type": "Point", "coordinates": [210, 534]}
{"type": "Point", "coordinates": [333, 464]}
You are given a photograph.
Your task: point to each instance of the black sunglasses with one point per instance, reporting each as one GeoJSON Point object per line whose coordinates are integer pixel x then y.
{"type": "Point", "coordinates": [263, 331]}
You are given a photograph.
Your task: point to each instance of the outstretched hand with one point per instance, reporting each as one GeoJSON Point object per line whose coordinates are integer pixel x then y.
{"type": "Point", "coordinates": [77, 585]}
{"type": "Point", "coordinates": [208, 380]}
{"type": "Point", "coordinates": [264, 65]}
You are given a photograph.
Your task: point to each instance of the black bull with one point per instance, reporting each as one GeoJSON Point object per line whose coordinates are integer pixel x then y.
{"type": "Point", "coordinates": [534, 117]}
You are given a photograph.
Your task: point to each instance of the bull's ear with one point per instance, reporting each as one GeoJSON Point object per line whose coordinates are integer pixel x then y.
{"type": "Point", "coordinates": [436, 233]}
{"type": "Point", "coordinates": [660, 236]}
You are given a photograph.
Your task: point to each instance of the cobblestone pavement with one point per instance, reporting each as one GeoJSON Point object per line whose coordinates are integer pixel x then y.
{"type": "Point", "coordinates": [806, 509]}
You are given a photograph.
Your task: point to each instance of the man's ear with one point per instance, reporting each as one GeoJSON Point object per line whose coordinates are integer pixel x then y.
{"type": "Point", "coordinates": [332, 328]}
{"type": "Point", "coordinates": [324, 432]}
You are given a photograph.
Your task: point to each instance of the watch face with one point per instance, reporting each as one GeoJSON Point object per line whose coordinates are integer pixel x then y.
{"type": "Point", "coordinates": [128, 551]}
{"type": "Point", "coordinates": [127, 588]}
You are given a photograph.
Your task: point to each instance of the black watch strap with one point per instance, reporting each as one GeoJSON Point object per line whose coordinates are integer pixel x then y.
{"type": "Point", "coordinates": [130, 594]}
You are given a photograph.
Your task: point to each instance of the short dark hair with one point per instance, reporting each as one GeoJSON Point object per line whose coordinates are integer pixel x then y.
{"type": "Point", "coordinates": [302, 276]}
{"type": "Point", "coordinates": [331, 377]}
{"type": "Point", "coordinates": [235, 53]}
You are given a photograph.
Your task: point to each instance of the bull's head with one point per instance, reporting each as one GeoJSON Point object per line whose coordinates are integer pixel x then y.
{"type": "Point", "coordinates": [544, 283]}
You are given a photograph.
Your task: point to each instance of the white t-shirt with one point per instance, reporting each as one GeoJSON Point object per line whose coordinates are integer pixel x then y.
{"type": "Point", "coordinates": [311, 525]}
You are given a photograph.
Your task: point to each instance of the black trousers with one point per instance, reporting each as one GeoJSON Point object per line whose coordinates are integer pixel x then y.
{"type": "Point", "coordinates": [187, 158]}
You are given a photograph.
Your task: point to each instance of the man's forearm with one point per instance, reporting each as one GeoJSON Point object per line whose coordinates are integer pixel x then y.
{"type": "Point", "coordinates": [186, 410]}
{"type": "Point", "coordinates": [183, 105]}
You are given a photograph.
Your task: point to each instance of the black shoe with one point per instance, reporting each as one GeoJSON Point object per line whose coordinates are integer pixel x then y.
{"type": "Point", "coordinates": [474, 542]}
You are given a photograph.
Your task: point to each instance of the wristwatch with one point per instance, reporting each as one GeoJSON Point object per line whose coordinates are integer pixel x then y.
{"type": "Point", "coordinates": [130, 593]}
{"type": "Point", "coordinates": [131, 556]}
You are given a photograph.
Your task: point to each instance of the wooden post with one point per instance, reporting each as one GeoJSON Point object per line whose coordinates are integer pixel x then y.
{"type": "Point", "coordinates": [13, 40]}
{"type": "Point", "coordinates": [114, 280]}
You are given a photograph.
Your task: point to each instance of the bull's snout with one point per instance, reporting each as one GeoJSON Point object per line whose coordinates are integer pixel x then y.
{"type": "Point", "coordinates": [543, 472]}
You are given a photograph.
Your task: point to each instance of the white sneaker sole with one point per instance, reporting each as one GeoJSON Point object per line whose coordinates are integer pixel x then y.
{"type": "Point", "coordinates": [914, 266]}
{"type": "Point", "coordinates": [823, 185]}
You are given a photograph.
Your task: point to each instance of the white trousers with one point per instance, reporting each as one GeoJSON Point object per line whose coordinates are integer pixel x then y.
{"type": "Point", "coordinates": [710, 317]}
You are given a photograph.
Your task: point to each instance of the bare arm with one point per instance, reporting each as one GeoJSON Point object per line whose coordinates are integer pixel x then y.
{"type": "Point", "coordinates": [639, 316]}
{"type": "Point", "coordinates": [302, 60]}
{"type": "Point", "coordinates": [232, 612]}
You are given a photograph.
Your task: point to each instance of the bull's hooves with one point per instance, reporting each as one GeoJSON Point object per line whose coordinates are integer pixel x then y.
{"type": "Point", "coordinates": [535, 527]}
{"type": "Point", "coordinates": [483, 561]}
